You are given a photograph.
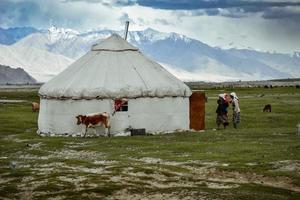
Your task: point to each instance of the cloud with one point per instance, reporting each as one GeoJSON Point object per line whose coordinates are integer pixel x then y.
{"type": "Point", "coordinates": [250, 5]}
{"type": "Point", "coordinates": [282, 13]}
{"type": "Point", "coordinates": [125, 17]}
{"type": "Point", "coordinates": [106, 2]}
{"type": "Point", "coordinates": [269, 9]}
{"type": "Point", "coordinates": [163, 22]}
{"type": "Point", "coordinates": [12, 12]}
{"type": "Point", "coordinates": [86, 1]}
{"type": "Point", "coordinates": [36, 13]}
{"type": "Point", "coordinates": [210, 7]}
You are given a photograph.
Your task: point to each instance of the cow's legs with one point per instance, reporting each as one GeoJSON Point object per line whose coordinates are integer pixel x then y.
{"type": "Point", "coordinates": [86, 127]}
{"type": "Point", "coordinates": [108, 127]}
{"type": "Point", "coordinates": [108, 131]}
{"type": "Point", "coordinates": [83, 131]}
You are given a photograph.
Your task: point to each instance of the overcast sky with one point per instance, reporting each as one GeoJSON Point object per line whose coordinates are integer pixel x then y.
{"type": "Point", "coordinates": [269, 25]}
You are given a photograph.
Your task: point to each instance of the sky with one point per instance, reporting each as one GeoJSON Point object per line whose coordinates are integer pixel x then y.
{"type": "Point", "coordinates": [266, 25]}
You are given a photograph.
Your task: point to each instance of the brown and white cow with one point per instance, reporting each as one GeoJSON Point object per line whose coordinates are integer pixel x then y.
{"type": "Point", "coordinates": [35, 106]}
{"type": "Point", "coordinates": [93, 120]}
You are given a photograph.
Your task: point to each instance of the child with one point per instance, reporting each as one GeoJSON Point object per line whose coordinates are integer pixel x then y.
{"type": "Point", "coordinates": [236, 109]}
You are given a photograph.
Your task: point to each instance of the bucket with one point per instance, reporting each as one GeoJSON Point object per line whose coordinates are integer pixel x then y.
{"type": "Point", "coordinates": [140, 131]}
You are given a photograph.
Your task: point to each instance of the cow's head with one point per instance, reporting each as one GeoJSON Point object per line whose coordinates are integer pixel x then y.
{"type": "Point", "coordinates": [79, 119]}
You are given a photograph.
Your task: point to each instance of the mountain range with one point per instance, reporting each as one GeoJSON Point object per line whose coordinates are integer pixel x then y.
{"type": "Point", "coordinates": [9, 75]}
{"type": "Point", "coordinates": [44, 53]}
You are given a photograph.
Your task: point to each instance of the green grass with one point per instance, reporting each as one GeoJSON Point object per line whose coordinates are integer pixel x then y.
{"type": "Point", "coordinates": [261, 140]}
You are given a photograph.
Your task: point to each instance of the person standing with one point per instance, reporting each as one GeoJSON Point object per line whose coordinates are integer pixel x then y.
{"type": "Point", "coordinates": [236, 118]}
{"type": "Point", "coordinates": [222, 113]}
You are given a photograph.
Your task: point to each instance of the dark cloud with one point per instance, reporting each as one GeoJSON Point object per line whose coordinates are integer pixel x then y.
{"type": "Point", "coordinates": [286, 20]}
{"type": "Point", "coordinates": [210, 5]}
{"type": "Point", "coordinates": [276, 13]}
{"type": "Point", "coordinates": [250, 5]}
{"type": "Point", "coordinates": [226, 8]}
{"type": "Point", "coordinates": [212, 11]}
{"type": "Point", "coordinates": [230, 12]}
{"type": "Point", "coordinates": [105, 2]}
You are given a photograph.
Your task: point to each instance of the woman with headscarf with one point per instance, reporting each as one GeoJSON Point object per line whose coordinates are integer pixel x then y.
{"type": "Point", "coordinates": [222, 113]}
{"type": "Point", "coordinates": [236, 118]}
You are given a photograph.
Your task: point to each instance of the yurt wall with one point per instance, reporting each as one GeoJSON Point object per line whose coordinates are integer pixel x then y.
{"type": "Point", "coordinates": [153, 114]}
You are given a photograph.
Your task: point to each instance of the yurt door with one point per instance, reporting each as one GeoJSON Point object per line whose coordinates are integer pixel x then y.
{"type": "Point", "coordinates": [120, 121]}
{"type": "Point", "coordinates": [197, 111]}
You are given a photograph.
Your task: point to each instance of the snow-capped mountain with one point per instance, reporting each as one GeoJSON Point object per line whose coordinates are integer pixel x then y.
{"type": "Point", "coordinates": [64, 42]}
{"type": "Point", "coordinates": [40, 64]}
{"type": "Point", "coordinates": [188, 58]}
{"type": "Point", "coordinates": [74, 44]}
{"type": "Point", "coordinates": [196, 57]}
{"type": "Point", "coordinates": [56, 34]}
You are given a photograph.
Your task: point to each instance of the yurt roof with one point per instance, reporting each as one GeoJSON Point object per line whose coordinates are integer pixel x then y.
{"type": "Point", "coordinates": [114, 43]}
{"type": "Point", "coordinates": [114, 69]}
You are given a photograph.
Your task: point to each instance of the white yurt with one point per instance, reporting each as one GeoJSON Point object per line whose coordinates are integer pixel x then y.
{"type": "Point", "coordinates": [114, 71]}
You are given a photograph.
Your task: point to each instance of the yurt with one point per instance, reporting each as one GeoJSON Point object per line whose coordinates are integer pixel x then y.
{"type": "Point", "coordinates": [114, 71]}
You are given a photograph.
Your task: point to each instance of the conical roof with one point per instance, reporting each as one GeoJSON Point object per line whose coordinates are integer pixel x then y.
{"type": "Point", "coordinates": [114, 43]}
{"type": "Point", "coordinates": [114, 69]}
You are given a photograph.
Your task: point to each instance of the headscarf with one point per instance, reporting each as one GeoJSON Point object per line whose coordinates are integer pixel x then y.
{"type": "Point", "coordinates": [226, 97]}
{"type": "Point", "coordinates": [234, 95]}
{"type": "Point", "coordinates": [223, 96]}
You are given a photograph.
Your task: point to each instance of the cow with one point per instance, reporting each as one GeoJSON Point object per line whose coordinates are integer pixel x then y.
{"type": "Point", "coordinates": [35, 106]}
{"type": "Point", "coordinates": [93, 120]}
{"type": "Point", "coordinates": [267, 108]}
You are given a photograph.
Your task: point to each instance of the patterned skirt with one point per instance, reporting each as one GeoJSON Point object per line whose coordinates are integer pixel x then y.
{"type": "Point", "coordinates": [222, 118]}
{"type": "Point", "coordinates": [236, 118]}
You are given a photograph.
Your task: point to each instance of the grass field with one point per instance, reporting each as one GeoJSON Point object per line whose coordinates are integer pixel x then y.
{"type": "Point", "coordinates": [259, 160]}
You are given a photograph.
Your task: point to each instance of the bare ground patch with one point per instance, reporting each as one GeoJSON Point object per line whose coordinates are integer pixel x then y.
{"type": "Point", "coordinates": [151, 173]}
{"type": "Point", "coordinates": [287, 166]}
{"type": "Point", "coordinates": [208, 172]}
{"type": "Point", "coordinates": [182, 194]}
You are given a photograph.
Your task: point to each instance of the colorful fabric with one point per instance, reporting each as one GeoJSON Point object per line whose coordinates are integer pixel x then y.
{"type": "Point", "coordinates": [119, 103]}
{"type": "Point", "coordinates": [236, 118]}
{"type": "Point", "coordinates": [234, 95]}
{"type": "Point", "coordinates": [235, 105]}
{"type": "Point", "coordinates": [235, 108]}
{"type": "Point", "coordinates": [222, 118]}
{"type": "Point", "coordinates": [222, 106]}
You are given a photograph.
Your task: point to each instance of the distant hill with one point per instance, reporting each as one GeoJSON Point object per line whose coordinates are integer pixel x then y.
{"type": "Point", "coordinates": [10, 75]}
